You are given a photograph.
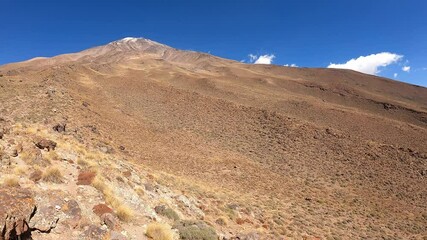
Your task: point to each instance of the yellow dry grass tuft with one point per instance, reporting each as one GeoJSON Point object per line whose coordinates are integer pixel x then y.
{"type": "Point", "coordinates": [83, 162]}
{"type": "Point", "coordinates": [20, 170]}
{"type": "Point", "coordinates": [124, 213]}
{"type": "Point", "coordinates": [11, 181]}
{"type": "Point", "coordinates": [52, 174]}
{"type": "Point", "coordinates": [159, 231]}
{"type": "Point", "coordinates": [52, 156]}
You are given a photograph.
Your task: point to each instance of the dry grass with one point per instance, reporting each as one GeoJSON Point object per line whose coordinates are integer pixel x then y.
{"type": "Point", "coordinates": [159, 231]}
{"type": "Point", "coordinates": [140, 191]}
{"type": "Point", "coordinates": [11, 181]}
{"type": "Point", "coordinates": [20, 170]}
{"type": "Point", "coordinates": [52, 156]}
{"type": "Point", "coordinates": [52, 174]}
{"type": "Point", "coordinates": [83, 162]}
{"type": "Point", "coordinates": [124, 213]}
{"type": "Point", "coordinates": [99, 183]}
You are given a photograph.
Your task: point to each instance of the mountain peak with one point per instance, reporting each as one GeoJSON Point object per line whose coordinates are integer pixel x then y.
{"type": "Point", "coordinates": [136, 40]}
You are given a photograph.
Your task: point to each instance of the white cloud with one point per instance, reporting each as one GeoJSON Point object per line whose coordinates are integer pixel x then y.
{"type": "Point", "coordinates": [369, 64]}
{"type": "Point", "coordinates": [406, 68]}
{"type": "Point", "coordinates": [265, 59]}
{"type": "Point", "coordinates": [252, 57]}
{"type": "Point", "coordinates": [291, 65]}
{"type": "Point", "coordinates": [395, 75]}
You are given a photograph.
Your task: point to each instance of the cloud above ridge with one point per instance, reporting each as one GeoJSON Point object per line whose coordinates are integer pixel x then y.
{"type": "Point", "coordinates": [370, 64]}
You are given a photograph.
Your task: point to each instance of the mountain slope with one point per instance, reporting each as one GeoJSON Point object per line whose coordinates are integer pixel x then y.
{"type": "Point", "coordinates": [282, 151]}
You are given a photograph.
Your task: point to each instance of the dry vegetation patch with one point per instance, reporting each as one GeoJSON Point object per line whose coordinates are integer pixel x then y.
{"type": "Point", "coordinates": [11, 181]}
{"type": "Point", "coordinates": [159, 231]}
{"type": "Point", "coordinates": [52, 174]}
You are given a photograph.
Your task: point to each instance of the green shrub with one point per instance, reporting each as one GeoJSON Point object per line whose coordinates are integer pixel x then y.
{"type": "Point", "coordinates": [195, 230]}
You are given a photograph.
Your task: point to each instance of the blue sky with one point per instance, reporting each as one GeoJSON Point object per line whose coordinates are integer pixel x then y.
{"type": "Point", "coordinates": [383, 37]}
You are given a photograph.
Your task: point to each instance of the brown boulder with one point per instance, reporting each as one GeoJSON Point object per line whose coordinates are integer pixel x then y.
{"type": "Point", "coordinates": [17, 207]}
{"type": "Point", "coordinates": [85, 178]}
{"type": "Point", "coordinates": [46, 144]}
{"type": "Point", "coordinates": [36, 175]}
{"type": "Point", "coordinates": [101, 209]}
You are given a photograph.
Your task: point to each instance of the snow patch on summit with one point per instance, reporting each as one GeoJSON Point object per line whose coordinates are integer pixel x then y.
{"type": "Point", "coordinates": [129, 39]}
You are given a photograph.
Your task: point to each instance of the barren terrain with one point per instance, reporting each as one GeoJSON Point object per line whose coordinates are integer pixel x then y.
{"type": "Point", "coordinates": [259, 151]}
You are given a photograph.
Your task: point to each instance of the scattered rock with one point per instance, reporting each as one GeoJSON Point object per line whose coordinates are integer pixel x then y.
{"type": "Point", "coordinates": [221, 221]}
{"type": "Point", "coordinates": [46, 144]}
{"type": "Point", "coordinates": [149, 187]}
{"type": "Point", "coordinates": [113, 235]}
{"type": "Point", "coordinates": [127, 173]}
{"type": "Point", "coordinates": [190, 204]}
{"type": "Point", "coordinates": [101, 209]}
{"type": "Point", "coordinates": [1, 134]}
{"type": "Point", "coordinates": [248, 236]}
{"type": "Point", "coordinates": [122, 148]}
{"type": "Point", "coordinates": [85, 104]}
{"type": "Point", "coordinates": [85, 177]}
{"type": "Point", "coordinates": [388, 106]}
{"type": "Point", "coordinates": [94, 232]}
{"type": "Point", "coordinates": [36, 175]}
{"type": "Point", "coordinates": [14, 153]}
{"type": "Point", "coordinates": [73, 210]}
{"type": "Point", "coordinates": [34, 157]}
{"type": "Point", "coordinates": [109, 220]}
{"type": "Point", "coordinates": [233, 206]}
{"type": "Point", "coordinates": [60, 127]}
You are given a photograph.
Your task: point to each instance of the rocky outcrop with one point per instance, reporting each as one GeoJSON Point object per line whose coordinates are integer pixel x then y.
{"type": "Point", "coordinates": [46, 144]}
{"type": "Point", "coordinates": [17, 207]}
{"type": "Point", "coordinates": [20, 216]}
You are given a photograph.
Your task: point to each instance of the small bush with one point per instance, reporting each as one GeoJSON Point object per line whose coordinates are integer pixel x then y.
{"type": "Point", "coordinates": [52, 174]}
{"type": "Point", "coordinates": [11, 181]}
{"type": "Point", "coordinates": [124, 213]}
{"type": "Point", "coordinates": [159, 231]}
{"type": "Point", "coordinates": [167, 212]}
{"type": "Point", "coordinates": [195, 230]}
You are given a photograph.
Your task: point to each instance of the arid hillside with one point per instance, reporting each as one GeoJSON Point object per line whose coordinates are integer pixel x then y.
{"type": "Point", "coordinates": [261, 151]}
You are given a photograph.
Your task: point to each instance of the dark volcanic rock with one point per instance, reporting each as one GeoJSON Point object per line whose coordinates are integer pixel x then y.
{"type": "Point", "coordinates": [46, 144]}
{"type": "Point", "coordinates": [60, 127]}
